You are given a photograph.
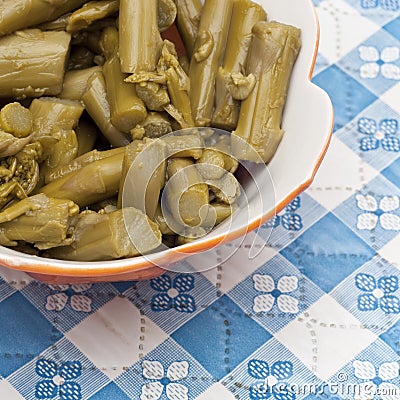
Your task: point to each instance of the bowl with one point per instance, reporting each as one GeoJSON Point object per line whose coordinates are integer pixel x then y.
{"type": "Point", "coordinates": [308, 124]}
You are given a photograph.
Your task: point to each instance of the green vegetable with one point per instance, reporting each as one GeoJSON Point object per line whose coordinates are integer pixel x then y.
{"type": "Point", "coordinates": [20, 14]}
{"type": "Point", "coordinates": [97, 106]}
{"type": "Point", "coordinates": [139, 38]}
{"type": "Point", "coordinates": [101, 237]}
{"type": "Point", "coordinates": [41, 58]}
{"type": "Point", "coordinates": [39, 220]}
{"type": "Point", "coordinates": [273, 51]}
{"type": "Point", "coordinates": [207, 57]}
{"type": "Point", "coordinates": [188, 22]}
{"type": "Point", "coordinates": [230, 83]}
{"type": "Point", "coordinates": [126, 108]}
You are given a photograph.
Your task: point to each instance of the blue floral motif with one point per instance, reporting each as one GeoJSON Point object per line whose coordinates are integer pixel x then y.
{"type": "Point", "coordinates": [378, 294]}
{"type": "Point", "coordinates": [390, 5]}
{"type": "Point", "coordinates": [273, 380]}
{"type": "Point", "coordinates": [58, 380]}
{"type": "Point", "coordinates": [289, 219]}
{"type": "Point", "coordinates": [379, 135]}
{"type": "Point", "coordinates": [173, 293]}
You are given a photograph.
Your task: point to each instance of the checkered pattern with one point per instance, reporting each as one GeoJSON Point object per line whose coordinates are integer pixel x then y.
{"type": "Point", "coordinates": [315, 315]}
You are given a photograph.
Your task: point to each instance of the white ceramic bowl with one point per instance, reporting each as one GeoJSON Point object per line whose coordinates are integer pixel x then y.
{"type": "Point", "coordinates": [308, 122]}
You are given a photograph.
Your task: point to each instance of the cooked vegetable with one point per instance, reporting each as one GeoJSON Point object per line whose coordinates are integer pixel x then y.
{"type": "Point", "coordinates": [96, 104]}
{"type": "Point", "coordinates": [186, 193]}
{"type": "Point", "coordinates": [85, 67]}
{"type": "Point", "coordinates": [39, 220]}
{"type": "Point", "coordinates": [90, 12]}
{"type": "Point", "coordinates": [20, 14]}
{"type": "Point", "coordinates": [225, 189]}
{"type": "Point", "coordinates": [231, 85]}
{"type": "Point", "coordinates": [143, 175]}
{"type": "Point", "coordinates": [207, 57]}
{"type": "Point", "coordinates": [75, 83]}
{"type": "Point", "coordinates": [100, 237]}
{"type": "Point", "coordinates": [154, 95]}
{"type": "Point", "coordinates": [19, 174]}
{"type": "Point", "coordinates": [138, 25]}
{"type": "Point", "coordinates": [83, 160]}
{"type": "Point", "coordinates": [166, 14]}
{"type": "Point", "coordinates": [188, 17]}
{"type": "Point", "coordinates": [40, 57]}
{"type": "Point", "coordinates": [90, 184]}
{"type": "Point", "coordinates": [155, 125]}
{"type": "Point", "coordinates": [52, 113]}
{"type": "Point", "coordinates": [273, 51]}
{"type": "Point", "coordinates": [126, 108]}
{"type": "Point", "coordinates": [184, 145]}
{"type": "Point", "coordinates": [58, 24]}
{"type": "Point", "coordinates": [16, 119]}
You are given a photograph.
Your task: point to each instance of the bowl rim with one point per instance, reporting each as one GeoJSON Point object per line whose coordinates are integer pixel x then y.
{"type": "Point", "coordinates": [45, 266]}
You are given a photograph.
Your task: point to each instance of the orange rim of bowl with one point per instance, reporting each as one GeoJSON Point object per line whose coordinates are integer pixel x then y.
{"type": "Point", "coordinates": [111, 268]}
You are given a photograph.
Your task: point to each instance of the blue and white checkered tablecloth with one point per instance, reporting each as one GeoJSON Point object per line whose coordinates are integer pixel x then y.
{"type": "Point", "coordinates": [316, 315]}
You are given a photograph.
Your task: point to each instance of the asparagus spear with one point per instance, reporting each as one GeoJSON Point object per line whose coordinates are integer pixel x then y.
{"type": "Point", "coordinates": [92, 183]}
{"type": "Point", "coordinates": [101, 237]}
{"type": "Point", "coordinates": [20, 14]}
{"type": "Point", "coordinates": [245, 15]}
{"type": "Point", "coordinates": [40, 57]}
{"type": "Point", "coordinates": [91, 12]}
{"type": "Point", "coordinates": [273, 51]}
{"type": "Point", "coordinates": [186, 193]}
{"type": "Point", "coordinates": [83, 160]}
{"type": "Point", "coordinates": [75, 83]}
{"type": "Point", "coordinates": [97, 106]}
{"type": "Point", "coordinates": [126, 108]}
{"type": "Point", "coordinates": [51, 113]}
{"type": "Point", "coordinates": [188, 22]}
{"type": "Point", "coordinates": [143, 175]}
{"type": "Point", "coordinates": [208, 55]}
{"type": "Point", "coordinates": [38, 219]}
{"type": "Point", "coordinates": [140, 41]}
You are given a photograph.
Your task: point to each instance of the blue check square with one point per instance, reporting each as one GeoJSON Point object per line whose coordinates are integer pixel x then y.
{"type": "Point", "coordinates": [221, 336]}
{"type": "Point", "coordinates": [329, 80]}
{"type": "Point", "coordinates": [25, 333]}
{"type": "Point", "coordinates": [322, 252]}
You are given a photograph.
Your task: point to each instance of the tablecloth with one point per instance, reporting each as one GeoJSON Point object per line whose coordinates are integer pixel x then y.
{"type": "Point", "coordinates": [316, 315]}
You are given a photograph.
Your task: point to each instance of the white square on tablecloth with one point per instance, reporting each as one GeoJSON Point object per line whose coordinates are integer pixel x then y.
{"type": "Point", "coordinates": [391, 97]}
{"type": "Point", "coordinates": [390, 252]}
{"type": "Point", "coordinates": [8, 392]}
{"type": "Point", "coordinates": [326, 337]}
{"type": "Point", "coordinates": [251, 255]}
{"type": "Point", "coordinates": [17, 279]}
{"type": "Point", "coordinates": [115, 336]}
{"type": "Point", "coordinates": [217, 391]}
{"type": "Point", "coordinates": [342, 174]}
{"type": "Point", "coordinates": [342, 29]}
